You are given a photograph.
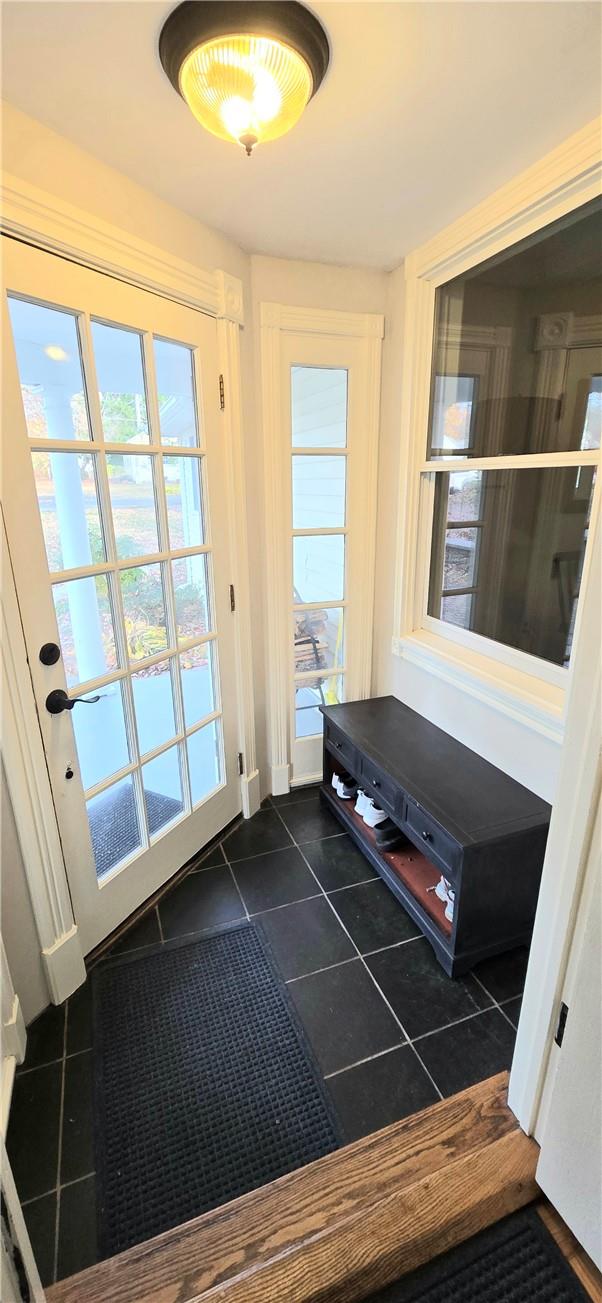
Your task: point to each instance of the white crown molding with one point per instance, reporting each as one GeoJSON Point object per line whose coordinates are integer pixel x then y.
{"type": "Point", "coordinates": [322, 321]}
{"type": "Point", "coordinates": [45, 220]}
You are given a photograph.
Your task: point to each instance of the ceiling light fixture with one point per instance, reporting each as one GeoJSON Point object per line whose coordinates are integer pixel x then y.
{"type": "Point", "coordinates": [246, 68]}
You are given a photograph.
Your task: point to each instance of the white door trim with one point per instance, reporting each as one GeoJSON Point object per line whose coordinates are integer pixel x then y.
{"type": "Point", "coordinates": [39, 218]}
{"type": "Point", "coordinates": [277, 321]}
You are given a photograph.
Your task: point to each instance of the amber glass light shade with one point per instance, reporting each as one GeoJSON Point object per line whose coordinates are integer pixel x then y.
{"type": "Point", "coordinates": [246, 88]}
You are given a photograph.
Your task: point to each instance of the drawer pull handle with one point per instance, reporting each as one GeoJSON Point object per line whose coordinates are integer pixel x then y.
{"type": "Point", "coordinates": [427, 836]}
{"type": "Point", "coordinates": [375, 782]}
{"type": "Point", "coordinates": [338, 745]}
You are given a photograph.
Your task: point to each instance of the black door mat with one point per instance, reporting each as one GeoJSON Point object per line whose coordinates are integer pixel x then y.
{"type": "Point", "coordinates": [114, 827]}
{"type": "Point", "coordinates": [205, 1086]}
{"type": "Point", "coordinates": [515, 1261]}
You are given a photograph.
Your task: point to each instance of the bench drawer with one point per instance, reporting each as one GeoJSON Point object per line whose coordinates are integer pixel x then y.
{"type": "Point", "coordinates": [437, 843]}
{"type": "Point", "coordinates": [381, 788]}
{"type": "Point", "coordinates": [341, 747]}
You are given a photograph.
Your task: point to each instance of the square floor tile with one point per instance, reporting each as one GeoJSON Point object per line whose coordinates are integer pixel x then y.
{"type": "Point", "coordinates": [265, 881]}
{"type": "Point", "coordinates": [459, 1056]}
{"type": "Point", "coordinates": [78, 1245]}
{"type": "Point", "coordinates": [211, 858]}
{"type": "Point", "coordinates": [512, 1009]}
{"type": "Point", "coordinates": [40, 1220]}
{"type": "Point", "coordinates": [264, 832]}
{"type": "Point", "coordinates": [201, 900]}
{"type": "Point", "coordinates": [45, 1037]}
{"type": "Point", "coordinates": [33, 1130]}
{"type": "Point", "coordinates": [309, 820]}
{"type": "Point", "coordinates": [344, 1016]}
{"type": "Point", "coordinates": [504, 975]}
{"type": "Point", "coordinates": [422, 995]}
{"type": "Point", "coordinates": [381, 1091]}
{"type": "Point", "coordinates": [372, 916]}
{"type": "Point", "coordinates": [79, 1019]}
{"type": "Point", "coordinates": [305, 936]}
{"type": "Point", "coordinates": [77, 1157]}
{"type": "Point", "coordinates": [337, 862]}
{"type": "Point", "coordinates": [143, 933]}
{"type": "Point", "coordinates": [295, 795]}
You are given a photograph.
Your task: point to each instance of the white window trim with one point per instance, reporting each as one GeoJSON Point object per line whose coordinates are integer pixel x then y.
{"type": "Point", "coordinates": [564, 180]}
{"type": "Point", "coordinates": [276, 321]}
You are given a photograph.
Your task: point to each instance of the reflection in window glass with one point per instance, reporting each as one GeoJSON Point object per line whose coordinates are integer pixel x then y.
{"type": "Point", "coordinates": [143, 602]}
{"type": "Point", "coordinates": [191, 590]}
{"type": "Point", "coordinates": [162, 783]}
{"type": "Point", "coordinates": [114, 826]}
{"type": "Point", "coordinates": [319, 407]}
{"type": "Point", "coordinates": [522, 563]}
{"type": "Point", "coordinates": [50, 371]}
{"type": "Point", "coordinates": [196, 665]}
{"type": "Point", "coordinates": [100, 736]}
{"type": "Point", "coordinates": [85, 626]}
{"type": "Point", "coordinates": [184, 495]}
{"type": "Point", "coordinates": [323, 690]}
{"type": "Point", "coordinates": [133, 504]}
{"type": "Point", "coordinates": [68, 506]}
{"type": "Point", "coordinates": [153, 703]}
{"type": "Point", "coordinates": [318, 492]}
{"type": "Point", "coordinates": [319, 639]}
{"type": "Point", "coordinates": [592, 425]}
{"type": "Point", "coordinates": [175, 387]}
{"type": "Point", "coordinates": [319, 568]}
{"type": "Point", "coordinates": [452, 414]}
{"type": "Point", "coordinates": [204, 760]}
{"type": "Point", "coordinates": [120, 376]}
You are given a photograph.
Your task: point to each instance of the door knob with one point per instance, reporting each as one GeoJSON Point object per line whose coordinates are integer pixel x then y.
{"type": "Point", "coordinates": [58, 701]}
{"type": "Point", "coordinates": [50, 653]}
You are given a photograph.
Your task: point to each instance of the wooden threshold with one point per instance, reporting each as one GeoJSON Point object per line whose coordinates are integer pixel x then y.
{"type": "Point", "coordinates": [585, 1270]}
{"type": "Point", "coordinates": [345, 1225]}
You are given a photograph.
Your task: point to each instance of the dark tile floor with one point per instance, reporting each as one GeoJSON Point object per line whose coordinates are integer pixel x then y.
{"type": "Point", "coordinates": [390, 1031]}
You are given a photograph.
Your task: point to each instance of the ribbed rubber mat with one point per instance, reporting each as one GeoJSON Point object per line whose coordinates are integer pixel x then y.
{"type": "Point", "coordinates": [205, 1086]}
{"type": "Point", "coordinates": [515, 1261]}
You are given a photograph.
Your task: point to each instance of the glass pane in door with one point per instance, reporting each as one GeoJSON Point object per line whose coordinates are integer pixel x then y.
{"type": "Point", "coordinates": [133, 504]}
{"type": "Point", "coordinates": [84, 617]}
{"type": "Point", "coordinates": [121, 389]}
{"type": "Point", "coordinates": [50, 371]}
{"type": "Point", "coordinates": [68, 505]}
{"type": "Point", "coordinates": [114, 825]}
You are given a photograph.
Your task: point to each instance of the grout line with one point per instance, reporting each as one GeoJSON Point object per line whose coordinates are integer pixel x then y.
{"type": "Point", "coordinates": [327, 969]}
{"type": "Point", "coordinates": [272, 908]}
{"type": "Point", "coordinates": [497, 1004]}
{"type": "Point", "coordinates": [161, 937]}
{"type": "Point", "coordinates": [370, 975]}
{"type": "Point", "coordinates": [394, 946]}
{"type": "Point", "coordinates": [348, 886]}
{"type": "Point", "coordinates": [56, 1188]}
{"type": "Point", "coordinates": [468, 1017]}
{"type": "Point", "coordinates": [238, 890]}
{"type": "Point", "coordinates": [60, 1149]}
{"type": "Point", "coordinates": [369, 1059]}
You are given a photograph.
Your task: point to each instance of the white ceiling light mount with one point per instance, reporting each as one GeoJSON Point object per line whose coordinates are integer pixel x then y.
{"type": "Point", "coordinates": [246, 68]}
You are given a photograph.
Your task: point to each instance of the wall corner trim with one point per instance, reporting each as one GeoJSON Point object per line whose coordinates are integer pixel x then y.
{"type": "Point", "coordinates": [64, 965]}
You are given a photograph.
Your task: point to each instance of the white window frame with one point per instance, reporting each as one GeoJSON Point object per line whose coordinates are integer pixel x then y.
{"type": "Point", "coordinates": [512, 681]}
{"type": "Point", "coordinates": [300, 760]}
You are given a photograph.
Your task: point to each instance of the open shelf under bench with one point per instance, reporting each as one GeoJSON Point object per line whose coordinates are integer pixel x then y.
{"type": "Point", "coordinates": [460, 817]}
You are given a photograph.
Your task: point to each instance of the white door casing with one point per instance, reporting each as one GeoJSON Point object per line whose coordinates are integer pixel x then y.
{"type": "Point", "coordinates": [38, 276]}
{"type": "Point", "coordinates": [350, 342]}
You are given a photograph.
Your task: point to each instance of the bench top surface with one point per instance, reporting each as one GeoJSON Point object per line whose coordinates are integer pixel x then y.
{"type": "Point", "coordinates": [467, 795]}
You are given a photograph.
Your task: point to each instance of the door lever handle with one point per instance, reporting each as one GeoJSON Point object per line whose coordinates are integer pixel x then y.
{"type": "Point", "coordinates": [58, 701]}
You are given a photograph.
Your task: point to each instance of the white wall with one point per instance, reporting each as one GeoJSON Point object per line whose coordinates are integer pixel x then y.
{"type": "Point", "coordinates": [529, 756]}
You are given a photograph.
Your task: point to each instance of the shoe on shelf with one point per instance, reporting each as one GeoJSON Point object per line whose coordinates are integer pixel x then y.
{"type": "Point", "coordinates": [386, 829]}
{"type": "Point", "coordinates": [362, 802]}
{"type": "Point", "coordinates": [449, 908]}
{"type": "Point", "coordinates": [338, 780]}
{"type": "Point", "coordinates": [373, 816]}
{"type": "Point", "coordinates": [348, 789]}
{"type": "Point", "coordinates": [442, 890]}
{"type": "Point", "coordinates": [391, 843]}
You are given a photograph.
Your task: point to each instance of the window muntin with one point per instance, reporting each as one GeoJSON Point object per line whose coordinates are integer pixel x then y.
{"type": "Point", "coordinates": [516, 372]}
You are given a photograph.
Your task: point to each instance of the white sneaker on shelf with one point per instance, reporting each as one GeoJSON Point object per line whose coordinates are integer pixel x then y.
{"type": "Point", "coordinates": [362, 802]}
{"type": "Point", "coordinates": [373, 816]}
{"type": "Point", "coordinates": [441, 890]}
{"type": "Point", "coordinates": [449, 908]}
{"type": "Point", "coordinates": [337, 783]}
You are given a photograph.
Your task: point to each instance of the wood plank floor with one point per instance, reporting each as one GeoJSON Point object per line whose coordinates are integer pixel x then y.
{"type": "Point", "coordinates": [349, 1223]}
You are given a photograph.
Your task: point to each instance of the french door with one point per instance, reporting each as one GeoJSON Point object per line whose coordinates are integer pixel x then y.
{"type": "Point", "coordinates": [115, 506]}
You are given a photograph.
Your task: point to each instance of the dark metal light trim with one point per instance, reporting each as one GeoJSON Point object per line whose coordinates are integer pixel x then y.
{"type": "Point", "coordinates": [196, 21]}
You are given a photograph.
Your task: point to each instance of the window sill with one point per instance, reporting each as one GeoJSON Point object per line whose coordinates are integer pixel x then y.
{"type": "Point", "coordinates": [530, 701]}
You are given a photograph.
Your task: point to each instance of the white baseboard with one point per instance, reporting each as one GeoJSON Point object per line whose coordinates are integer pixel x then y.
{"type": "Point", "coordinates": [280, 776]}
{"type": "Point", "coordinates": [64, 964]}
{"type": "Point", "coordinates": [14, 1035]}
{"type": "Point", "coordinates": [251, 794]}
{"type": "Point", "coordinates": [9, 1067]}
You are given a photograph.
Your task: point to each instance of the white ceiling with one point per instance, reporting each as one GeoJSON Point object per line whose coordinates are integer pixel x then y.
{"type": "Point", "coordinates": [427, 108]}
